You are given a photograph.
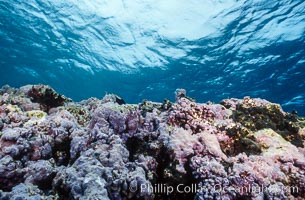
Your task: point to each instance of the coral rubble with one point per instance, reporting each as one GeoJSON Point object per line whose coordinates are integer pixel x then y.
{"type": "Point", "coordinates": [53, 148]}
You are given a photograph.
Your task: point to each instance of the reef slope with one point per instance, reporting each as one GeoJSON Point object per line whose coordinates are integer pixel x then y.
{"type": "Point", "coordinates": [54, 148]}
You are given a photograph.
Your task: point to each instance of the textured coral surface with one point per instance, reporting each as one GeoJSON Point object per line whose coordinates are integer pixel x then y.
{"type": "Point", "coordinates": [54, 148]}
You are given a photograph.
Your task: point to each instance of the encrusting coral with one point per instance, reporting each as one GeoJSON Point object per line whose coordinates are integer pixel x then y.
{"type": "Point", "coordinates": [53, 148]}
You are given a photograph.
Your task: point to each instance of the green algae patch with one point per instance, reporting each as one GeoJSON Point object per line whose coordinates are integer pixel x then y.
{"type": "Point", "coordinates": [275, 145]}
{"type": "Point", "coordinates": [38, 114]}
{"type": "Point", "coordinates": [81, 114]}
{"type": "Point", "coordinates": [125, 108]}
{"type": "Point", "coordinates": [12, 108]}
{"type": "Point", "coordinates": [36, 117]}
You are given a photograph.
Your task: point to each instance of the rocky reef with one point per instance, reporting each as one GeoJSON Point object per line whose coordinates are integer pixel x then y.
{"type": "Point", "coordinates": [54, 148]}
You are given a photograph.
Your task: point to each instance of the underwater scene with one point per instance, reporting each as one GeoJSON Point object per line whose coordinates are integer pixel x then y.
{"type": "Point", "coordinates": [149, 100]}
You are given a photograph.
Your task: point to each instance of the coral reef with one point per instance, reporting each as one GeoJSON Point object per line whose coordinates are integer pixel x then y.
{"type": "Point", "coordinates": [53, 148]}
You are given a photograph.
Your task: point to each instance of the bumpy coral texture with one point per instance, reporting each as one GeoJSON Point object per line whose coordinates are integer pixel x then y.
{"type": "Point", "coordinates": [53, 148]}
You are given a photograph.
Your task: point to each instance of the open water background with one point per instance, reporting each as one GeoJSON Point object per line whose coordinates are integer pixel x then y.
{"type": "Point", "coordinates": [145, 49]}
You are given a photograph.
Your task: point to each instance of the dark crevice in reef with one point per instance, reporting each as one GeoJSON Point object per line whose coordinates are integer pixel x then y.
{"type": "Point", "coordinates": [61, 152]}
{"type": "Point", "coordinates": [1, 124]}
{"type": "Point", "coordinates": [167, 176]}
{"type": "Point", "coordinates": [137, 146]}
{"type": "Point", "coordinates": [134, 146]}
{"type": "Point", "coordinates": [63, 193]}
{"type": "Point", "coordinates": [7, 186]}
{"type": "Point", "coordinates": [188, 181]}
{"type": "Point", "coordinates": [46, 185]}
{"type": "Point", "coordinates": [163, 162]}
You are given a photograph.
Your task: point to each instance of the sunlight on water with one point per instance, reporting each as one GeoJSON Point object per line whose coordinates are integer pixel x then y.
{"type": "Point", "coordinates": [146, 49]}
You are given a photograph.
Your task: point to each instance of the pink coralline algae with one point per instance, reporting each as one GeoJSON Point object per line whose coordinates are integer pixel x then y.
{"type": "Point", "coordinates": [53, 148]}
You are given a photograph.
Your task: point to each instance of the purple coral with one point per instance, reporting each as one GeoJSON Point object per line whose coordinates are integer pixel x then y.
{"type": "Point", "coordinates": [107, 149]}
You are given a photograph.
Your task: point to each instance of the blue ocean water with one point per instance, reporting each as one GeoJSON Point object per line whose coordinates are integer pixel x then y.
{"type": "Point", "coordinates": [145, 49]}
